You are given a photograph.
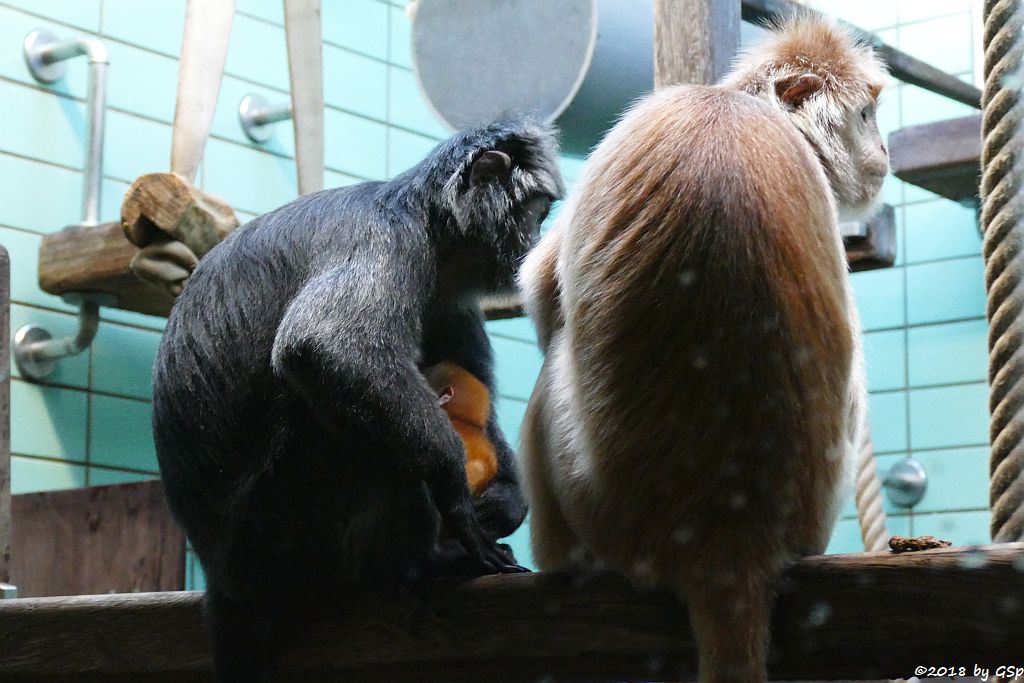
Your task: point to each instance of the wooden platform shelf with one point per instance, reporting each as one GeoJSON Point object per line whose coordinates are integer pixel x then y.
{"type": "Point", "coordinates": [842, 617]}
{"type": "Point", "coordinates": [942, 157]}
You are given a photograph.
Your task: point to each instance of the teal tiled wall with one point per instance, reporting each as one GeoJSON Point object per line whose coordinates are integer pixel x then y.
{"type": "Point", "coordinates": [89, 423]}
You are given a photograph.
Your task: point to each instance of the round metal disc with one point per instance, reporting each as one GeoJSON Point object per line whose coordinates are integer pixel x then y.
{"type": "Point", "coordinates": [33, 46]}
{"type": "Point", "coordinates": [27, 365]}
{"type": "Point", "coordinates": [246, 108]}
{"type": "Point", "coordinates": [477, 60]}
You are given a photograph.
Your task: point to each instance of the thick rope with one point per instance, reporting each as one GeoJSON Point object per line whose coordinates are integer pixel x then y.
{"type": "Point", "coordinates": [1003, 237]}
{"type": "Point", "coordinates": [870, 514]}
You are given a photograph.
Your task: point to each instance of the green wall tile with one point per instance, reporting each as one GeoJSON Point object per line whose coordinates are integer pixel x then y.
{"type": "Point", "coordinates": [267, 183]}
{"type": "Point", "coordinates": [122, 361]}
{"type": "Point", "coordinates": [151, 322]}
{"type": "Point", "coordinates": [101, 476]}
{"type": "Point", "coordinates": [914, 10]}
{"type": "Point", "coordinates": [134, 146]}
{"type": "Point", "coordinates": [949, 416]}
{"type": "Point", "coordinates": [400, 45]}
{"type": "Point", "coordinates": [846, 537]}
{"type": "Point", "coordinates": [941, 229]}
{"type": "Point", "coordinates": [408, 108]}
{"type": "Point", "coordinates": [111, 195]}
{"type": "Point", "coordinates": [355, 83]}
{"type": "Point", "coordinates": [195, 578]}
{"type": "Point", "coordinates": [14, 26]}
{"type": "Point", "coordinates": [142, 82]}
{"type": "Point", "coordinates": [72, 371]}
{"type": "Point", "coordinates": [517, 364]}
{"type": "Point", "coordinates": [37, 196]}
{"type": "Point", "coordinates": [887, 413]}
{"type": "Point", "coordinates": [121, 434]}
{"type": "Point", "coordinates": [946, 290]}
{"type": "Point", "coordinates": [866, 14]}
{"type": "Point", "coordinates": [944, 354]}
{"type": "Point", "coordinates": [335, 179]}
{"type": "Point", "coordinates": [360, 25]}
{"type": "Point", "coordinates": [47, 421]}
{"type": "Point", "coordinates": [405, 150]}
{"type": "Point", "coordinates": [957, 479]}
{"type": "Point", "coordinates": [921, 106]}
{"type": "Point", "coordinates": [159, 28]}
{"type": "Point", "coordinates": [943, 43]}
{"type": "Point", "coordinates": [28, 111]}
{"type": "Point", "coordinates": [516, 328]}
{"type": "Point", "coordinates": [258, 52]}
{"type": "Point", "coordinates": [885, 353]}
{"type": "Point", "coordinates": [29, 475]}
{"type": "Point", "coordinates": [962, 528]}
{"type": "Point", "coordinates": [880, 298]}
{"type": "Point", "coordinates": [23, 248]}
{"type": "Point", "coordinates": [355, 145]}
{"type": "Point", "coordinates": [82, 14]}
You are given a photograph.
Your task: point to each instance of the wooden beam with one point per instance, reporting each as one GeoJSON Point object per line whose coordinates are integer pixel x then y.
{"type": "Point", "coordinates": [5, 416]}
{"type": "Point", "coordinates": [943, 157]}
{"type": "Point", "coordinates": [98, 539]}
{"type": "Point", "coordinates": [857, 617]}
{"type": "Point", "coordinates": [97, 259]}
{"type": "Point", "coordinates": [872, 244]}
{"type": "Point", "coordinates": [694, 40]}
{"type": "Point", "coordinates": [902, 66]}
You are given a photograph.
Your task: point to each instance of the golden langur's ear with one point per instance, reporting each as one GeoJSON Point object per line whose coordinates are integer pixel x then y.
{"type": "Point", "coordinates": [794, 89]}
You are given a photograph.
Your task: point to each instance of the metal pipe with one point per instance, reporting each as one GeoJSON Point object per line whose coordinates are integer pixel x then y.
{"type": "Point", "coordinates": [36, 352]}
{"type": "Point", "coordinates": [44, 56]}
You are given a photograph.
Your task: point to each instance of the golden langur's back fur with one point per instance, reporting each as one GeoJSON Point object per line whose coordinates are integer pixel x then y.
{"type": "Point", "coordinates": [702, 386]}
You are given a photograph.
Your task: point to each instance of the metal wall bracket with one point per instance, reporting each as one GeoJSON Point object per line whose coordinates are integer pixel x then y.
{"type": "Point", "coordinates": [256, 114]}
{"type": "Point", "coordinates": [905, 483]}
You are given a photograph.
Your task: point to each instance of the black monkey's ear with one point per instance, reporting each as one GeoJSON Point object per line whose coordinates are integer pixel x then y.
{"type": "Point", "coordinates": [490, 165]}
{"type": "Point", "coordinates": [796, 88]}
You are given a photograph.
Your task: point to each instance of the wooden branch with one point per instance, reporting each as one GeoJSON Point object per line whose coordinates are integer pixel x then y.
{"type": "Point", "coordinates": [98, 539]}
{"type": "Point", "coordinates": [167, 203]}
{"type": "Point", "coordinates": [694, 40]}
{"type": "Point", "coordinates": [96, 259]}
{"type": "Point", "coordinates": [860, 617]}
{"type": "Point", "coordinates": [943, 157]}
{"type": "Point", "coordinates": [901, 65]}
{"type": "Point", "coordinates": [5, 416]}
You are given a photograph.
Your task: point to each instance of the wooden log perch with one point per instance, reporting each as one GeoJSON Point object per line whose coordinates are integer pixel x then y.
{"type": "Point", "coordinates": [167, 203]}
{"type": "Point", "coordinates": [943, 157]}
{"type": "Point", "coordinates": [839, 617]}
{"type": "Point", "coordinates": [97, 259]}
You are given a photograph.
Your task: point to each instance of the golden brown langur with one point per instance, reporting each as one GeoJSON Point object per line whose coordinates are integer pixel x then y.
{"type": "Point", "coordinates": [703, 389]}
{"type": "Point", "coordinates": [467, 402]}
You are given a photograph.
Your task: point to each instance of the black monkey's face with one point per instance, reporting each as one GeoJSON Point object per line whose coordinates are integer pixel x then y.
{"type": "Point", "coordinates": [506, 195]}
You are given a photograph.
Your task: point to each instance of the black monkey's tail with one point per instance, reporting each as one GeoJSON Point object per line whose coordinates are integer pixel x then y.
{"type": "Point", "coordinates": [243, 639]}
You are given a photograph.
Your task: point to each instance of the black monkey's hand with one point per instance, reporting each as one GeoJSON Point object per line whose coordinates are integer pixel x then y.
{"type": "Point", "coordinates": [489, 555]}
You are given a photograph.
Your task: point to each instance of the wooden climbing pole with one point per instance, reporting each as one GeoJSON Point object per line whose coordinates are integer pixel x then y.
{"type": "Point", "coordinates": [5, 416]}
{"type": "Point", "coordinates": [694, 40]}
{"type": "Point", "coordinates": [1003, 239]}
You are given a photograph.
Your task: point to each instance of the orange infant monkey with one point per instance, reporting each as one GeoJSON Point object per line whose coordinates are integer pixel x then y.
{"type": "Point", "coordinates": [468, 404]}
{"type": "Point", "coordinates": [702, 388]}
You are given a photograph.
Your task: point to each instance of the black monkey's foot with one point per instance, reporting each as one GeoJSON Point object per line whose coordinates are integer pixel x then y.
{"type": "Point", "coordinates": [452, 561]}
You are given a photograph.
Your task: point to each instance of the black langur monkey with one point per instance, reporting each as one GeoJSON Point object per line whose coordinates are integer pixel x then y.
{"type": "Point", "coordinates": [300, 444]}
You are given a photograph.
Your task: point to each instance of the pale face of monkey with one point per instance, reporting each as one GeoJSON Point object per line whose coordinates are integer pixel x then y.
{"type": "Point", "coordinates": [868, 161]}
